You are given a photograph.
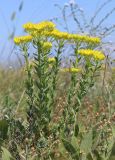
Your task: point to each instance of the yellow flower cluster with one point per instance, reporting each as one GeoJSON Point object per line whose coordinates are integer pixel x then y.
{"type": "Point", "coordinates": [39, 27]}
{"type": "Point", "coordinates": [84, 38]}
{"type": "Point", "coordinates": [46, 45]}
{"type": "Point", "coordinates": [29, 26]}
{"type": "Point", "coordinates": [47, 29]}
{"type": "Point", "coordinates": [88, 52]}
{"type": "Point", "coordinates": [51, 60]}
{"type": "Point", "coordinates": [99, 56]}
{"type": "Point", "coordinates": [73, 70]}
{"type": "Point", "coordinates": [67, 36]}
{"type": "Point", "coordinates": [59, 35]}
{"type": "Point", "coordinates": [22, 39]}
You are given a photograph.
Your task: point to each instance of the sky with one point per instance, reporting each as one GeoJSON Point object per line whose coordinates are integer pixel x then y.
{"type": "Point", "coordinates": [39, 10]}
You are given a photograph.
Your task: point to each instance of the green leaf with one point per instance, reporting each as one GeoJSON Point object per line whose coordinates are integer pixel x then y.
{"type": "Point", "coordinates": [74, 142]}
{"type": "Point", "coordinates": [6, 154]}
{"type": "Point", "coordinates": [113, 131]}
{"type": "Point", "coordinates": [76, 131]}
{"type": "Point", "coordinates": [62, 149]}
{"type": "Point", "coordinates": [110, 149]}
{"type": "Point", "coordinates": [86, 143]}
{"type": "Point", "coordinates": [90, 156]}
{"type": "Point", "coordinates": [98, 157]}
{"type": "Point", "coordinates": [3, 129]}
{"type": "Point", "coordinates": [69, 147]}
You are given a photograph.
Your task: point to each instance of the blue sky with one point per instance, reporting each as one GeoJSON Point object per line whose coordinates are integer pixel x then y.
{"type": "Point", "coordinates": [39, 10]}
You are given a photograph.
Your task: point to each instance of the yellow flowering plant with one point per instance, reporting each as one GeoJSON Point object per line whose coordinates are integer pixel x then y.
{"type": "Point", "coordinates": [22, 39]}
{"type": "Point", "coordinates": [42, 88]}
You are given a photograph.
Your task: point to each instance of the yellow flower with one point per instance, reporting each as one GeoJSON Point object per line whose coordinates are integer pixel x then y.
{"type": "Point", "coordinates": [29, 26]}
{"type": "Point", "coordinates": [47, 28]}
{"type": "Point", "coordinates": [93, 40]}
{"type": "Point", "coordinates": [99, 56]}
{"type": "Point", "coordinates": [56, 34]}
{"type": "Point", "coordinates": [85, 52]}
{"type": "Point", "coordinates": [59, 35]}
{"type": "Point", "coordinates": [88, 52]}
{"type": "Point", "coordinates": [39, 27]}
{"type": "Point", "coordinates": [67, 36]}
{"type": "Point", "coordinates": [73, 70]}
{"type": "Point", "coordinates": [46, 45]}
{"type": "Point", "coordinates": [47, 25]}
{"type": "Point", "coordinates": [51, 59]}
{"type": "Point", "coordinates": [22, 39]}
{"type": "Point", "coordinates": [84, 38]}
{"type": "Point", "coordinates": [74, 37]}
